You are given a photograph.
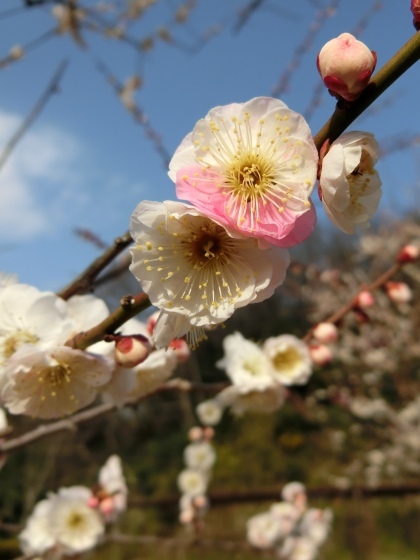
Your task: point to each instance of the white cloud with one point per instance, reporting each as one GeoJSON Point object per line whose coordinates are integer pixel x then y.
{"type": "Point", "coordinates": [36, 179]}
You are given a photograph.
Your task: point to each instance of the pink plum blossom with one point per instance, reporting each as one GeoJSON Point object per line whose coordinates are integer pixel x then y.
{"type": "Point", "coordinates": [346, 65]}
{"type": "Point", "coordinates": [251, 167]}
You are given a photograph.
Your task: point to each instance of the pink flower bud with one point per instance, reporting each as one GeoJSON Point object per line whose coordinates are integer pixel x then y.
{"type": "Point", "coordinates": [346, 65]}
{"type": "Point", "coordinates": [93, 502]}
{"type": "Point", "coordinates": [186, 516]}
{"type": "Point", "coordinates": [130, 351]}
{"type": "Point", "coordinates": [325, 332]}
{"type": "Point", "coordinates": [107, 506]}
{"type": "Point", "coordinates": [208, 433]}
{"type": "Point", "coordinates": [195, 433]}
{"type": "Point", "coordinates": [365, 299]}
{"type": "Point", "coordinates": [181, 349]}
{"type": "Point", "coordinates": [321, 355]}
{"type": "Point", "coordinates": [415, 9]}
{"type": "Point", "coordinates": [398, 292]}
{"type": "Point", "coordinates": [409, 253]}
{"type": "Point", "coordinates": [200, 502]}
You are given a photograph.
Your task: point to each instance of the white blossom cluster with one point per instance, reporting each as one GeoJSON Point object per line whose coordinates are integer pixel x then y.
{"type": "Point", "coordinates": [41, 376]}
{"type": "Point", "coordinates": [290, 529]}
{"type": "Point", "coordinates": [72, 520]}
{"type": "Point", "coordinates": [199, 458]}
{"type": "Point", "coordinates": [259, 375]}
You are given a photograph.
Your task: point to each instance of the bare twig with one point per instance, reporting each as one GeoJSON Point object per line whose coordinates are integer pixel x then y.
{"type": "Point", "coordinates": [283, 83]}
{"type": "Point", "coordinates": [51, 89]}
{"type": "Point", "coordinates": [267, 494]}
{"type": "Point", "coordinates": [71, 423]}
{"type": "Point", "coordinates": [84, 281]}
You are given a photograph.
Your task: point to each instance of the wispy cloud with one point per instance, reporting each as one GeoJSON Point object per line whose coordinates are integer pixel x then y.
{"type": "Point", "coordinates": [36, 179]}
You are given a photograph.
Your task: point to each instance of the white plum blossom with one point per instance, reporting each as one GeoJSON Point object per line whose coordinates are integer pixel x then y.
{"type": "Point", "coordinates": [261, 402]}
{"type": "Point", "coordinates": [298, 548]}
{"type": "Point", "coordinates": [209, 412]}
{"type": "Point", "coordinates": [200, 456]}
{"type": "Point", "coordinates": [63, 524]}
{"type": "Point", "coordinates": [51, 384]}
{"type": "Point", "coordinates": [350, 187]}
{"type": "Point", "coordinates": [37, 537]}
{"type": "Point", "coordinates": [76, 526]}
{"type": "Point", "coordinates": [316, 524]}
{"type": "Point", "coordinates": [194, 271]}
{"type": "Point", "coordinates": [263, 530]}
{"type": "Point", "coordinates": [247, 366]}
{"type": "Point", "coordinates": [289, 358]}
{"type": "Point", "coordinates": [192, 482]}
{"type": "Point", "coordinates": [251, 167]}
{"type": "Point", "coordinates": [28, 316]}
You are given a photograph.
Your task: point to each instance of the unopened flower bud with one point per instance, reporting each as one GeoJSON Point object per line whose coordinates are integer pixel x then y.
{"type": "Point", "coordinates": [130, 351]}
{"type": "Point", "coordinates": [106, 506]}
{"type": "Point", "coordinates": [187, 516]}
{"type": "Point", "coordinates": [195, 433]}
{"type": "Point", "coordinates": [321, 355]}
{"type": "Point", "coordinates": [346, 65]}
{"type": "Point", "coordinates": [93, 502]}
{"type": "Point", "coordinates": [415, 10]}
{"type": "Point", "coordinates": [208, 433]}
{"type": "Point", "coordinates": [181, 349]}
{"type": "Point", "coordinates": [398, 292]}
{"type": "Point", "coordinates": [409, 253]}
{"type": "Point", "coordinates": [325, 332]}
{"type": "Point", "coordinates": [200, 502]}
{"type": "Point", "coordinates": [365, 299]}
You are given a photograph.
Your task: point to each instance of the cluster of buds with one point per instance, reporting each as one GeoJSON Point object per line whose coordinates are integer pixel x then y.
{"type": "Point", "coordinates": [324, 335]}
{"type": "Point", "coordinates": [199, 458]}
{"type": "Point", "coordinates": [346, 65]}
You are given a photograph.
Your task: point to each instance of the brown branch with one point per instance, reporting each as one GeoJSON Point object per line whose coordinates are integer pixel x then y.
{"type": "Point", "coordinates": [71, 423]}
{"type": "Point", "coordinates": [222, 498]}
{"type": "Point", "coordinates": [51, 89]}
{"type": "Point", "coordinates": [84, 282]}
{"type": "Point", "coordinates": [129, 307]}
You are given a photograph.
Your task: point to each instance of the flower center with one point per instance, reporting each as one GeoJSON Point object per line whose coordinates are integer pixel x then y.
{"type": "Point", "coordinates": [359, 180]}
{"type": "Point", "coordinates": [55, 377]}
{"type": "Point", "coordinates": [250, 177]}
{"type": "Point", "coordinates": [287, 359]}
{"type": "Point", "coordinates": [14, 341]}
{"type": "Point", "coordinates": [75, 520]}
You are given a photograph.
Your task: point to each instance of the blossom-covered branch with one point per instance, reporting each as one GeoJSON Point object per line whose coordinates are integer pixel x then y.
{"type": "Point", "coordinates": [354, 302]}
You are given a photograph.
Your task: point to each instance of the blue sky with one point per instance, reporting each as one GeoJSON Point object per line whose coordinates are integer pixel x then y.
{"type": "Point", "coordinates": [86, 164]}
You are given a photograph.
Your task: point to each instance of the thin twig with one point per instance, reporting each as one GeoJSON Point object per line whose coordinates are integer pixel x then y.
{"type": "Point", "coordinates": [84, 282]}
{"type": "Point", "coordinates": [71, 423]}
{"type": "Point", "coordinates": [222, 498]}
{"type": "Point", "coordinates": [51, 89]}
